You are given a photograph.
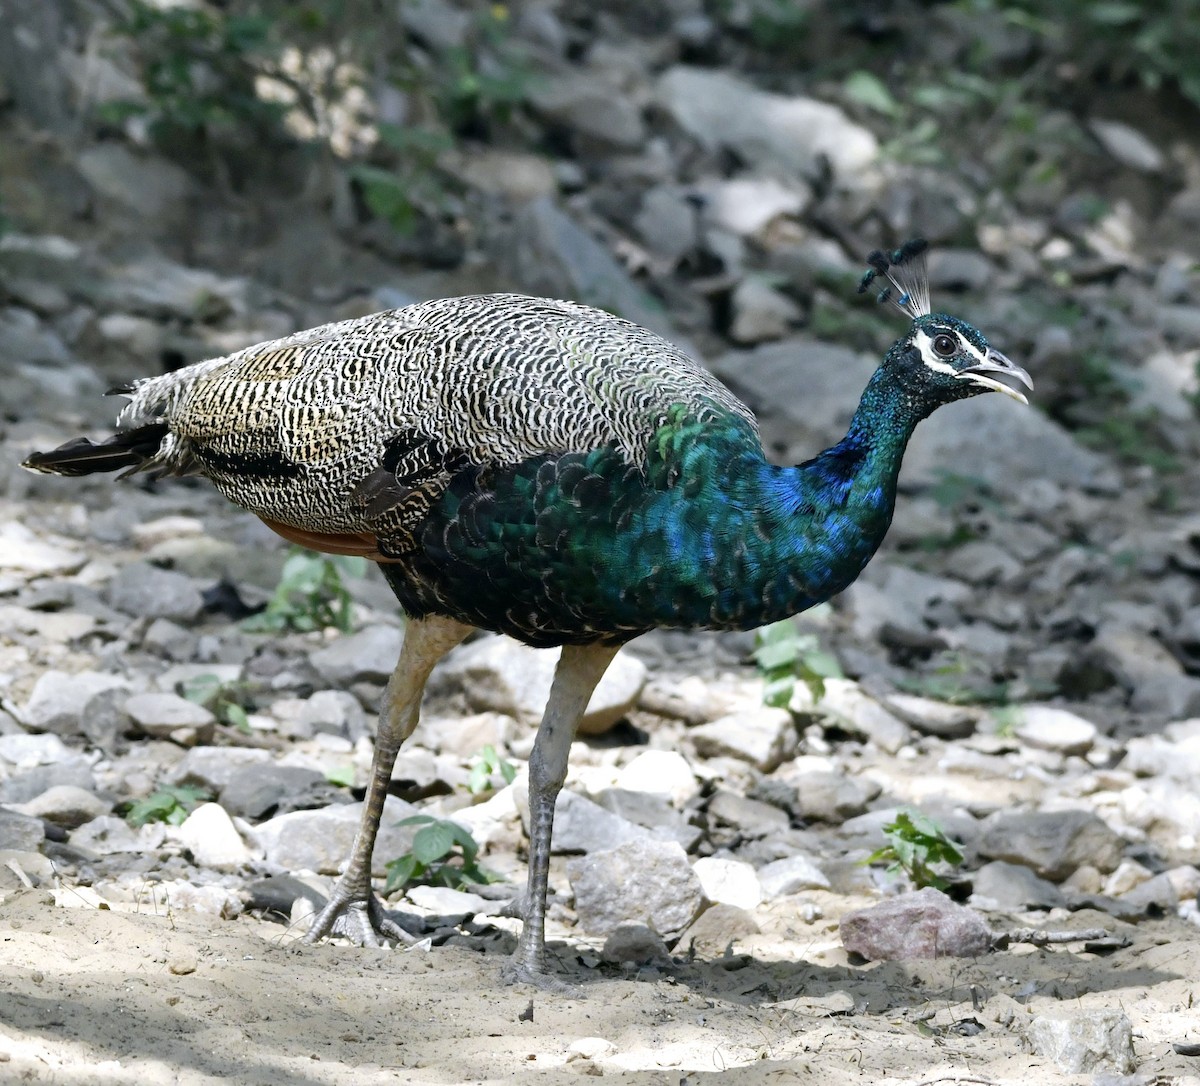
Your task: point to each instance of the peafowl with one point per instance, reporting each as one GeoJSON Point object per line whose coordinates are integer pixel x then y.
{"type": "Point", "coordinates": [543, 469]}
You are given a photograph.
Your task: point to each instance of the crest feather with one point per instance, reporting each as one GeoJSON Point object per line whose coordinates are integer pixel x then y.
{"type": "Point", "coordinates": [905, 271]}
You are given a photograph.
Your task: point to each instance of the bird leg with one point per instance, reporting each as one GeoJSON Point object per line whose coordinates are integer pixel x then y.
{"type": "Point", "coordinates": [579, 670]}
{"type": "Point", "coordinates": [353, 909]}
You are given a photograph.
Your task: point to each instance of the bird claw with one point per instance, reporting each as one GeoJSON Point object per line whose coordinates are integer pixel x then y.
{"type": "Point", "coordinates": [515, 971]}
{"type": "Point", "coordinates": [361, 920]}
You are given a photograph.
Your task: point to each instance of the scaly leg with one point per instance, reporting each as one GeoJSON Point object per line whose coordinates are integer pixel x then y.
{"type": "Point", "coordinates": [579, 670]}
{"type": "Point", "coordinates": [353, 909]}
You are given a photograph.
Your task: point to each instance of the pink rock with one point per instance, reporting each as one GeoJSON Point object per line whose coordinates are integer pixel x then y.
{"type": "Point", "coordinates": [925, 924]}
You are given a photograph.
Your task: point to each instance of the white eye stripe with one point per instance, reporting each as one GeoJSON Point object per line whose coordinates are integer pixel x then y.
{"type": "Point", "coordinates": [924, 344]}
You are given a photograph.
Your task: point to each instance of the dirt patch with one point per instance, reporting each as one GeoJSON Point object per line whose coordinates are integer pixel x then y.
{"type": "Point", "coordinates": [102, 997]}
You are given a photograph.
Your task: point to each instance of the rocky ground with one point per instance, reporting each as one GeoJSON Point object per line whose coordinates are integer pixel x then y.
{"type": "Point", "coordinates": [1022, 662]}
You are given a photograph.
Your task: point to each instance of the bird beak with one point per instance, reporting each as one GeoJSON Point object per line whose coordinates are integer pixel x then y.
{"type": "Point", "coordinates": [999, 374]}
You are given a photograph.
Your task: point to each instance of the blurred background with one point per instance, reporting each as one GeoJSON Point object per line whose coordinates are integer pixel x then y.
{"type": "Point", "coordinates": [181, 179]}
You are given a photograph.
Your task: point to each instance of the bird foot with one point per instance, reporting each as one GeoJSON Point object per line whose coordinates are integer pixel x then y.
{"type": "Point", "coordinates": [517, 971]}
{"type": "Point", "coordinates": [361, 920]}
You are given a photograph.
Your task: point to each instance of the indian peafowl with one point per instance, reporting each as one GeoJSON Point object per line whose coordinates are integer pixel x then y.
{"type": "Point", "coordinates": [546, 470]}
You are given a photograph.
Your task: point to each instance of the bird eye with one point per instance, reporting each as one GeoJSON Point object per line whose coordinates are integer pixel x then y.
{"type": "Point", "coordinates": [945, 345]}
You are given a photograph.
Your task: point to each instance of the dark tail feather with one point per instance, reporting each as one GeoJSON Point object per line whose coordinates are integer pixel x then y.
{"type": "Point", "coordinates": [82, 456]}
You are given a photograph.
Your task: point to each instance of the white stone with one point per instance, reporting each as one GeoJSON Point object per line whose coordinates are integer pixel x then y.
{"type": "Point", "coordinates": [499, 674]}
{"type": "Point", "coordinates": [1127, 145]}
{"type": "Point", "coordinates": [764, 737]}
{"type": "Point", "coordinates": [1047, 728]}
{"type": "Point", "coordinates": [793, 133]}
{"type": "Point", "coordinates": [746, 205]}
{"type": "Point", "coordinates": [211, 837]}
{"type": "Point", "coordinates": [791, 875]}
{"type": "Point", "coordinates": [661, 773]}
{"type": "Point", "coordinates": [729, 882]}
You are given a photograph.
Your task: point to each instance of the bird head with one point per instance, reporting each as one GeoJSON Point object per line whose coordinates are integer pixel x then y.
{"type": "Point", "coordinates": [942, 358]}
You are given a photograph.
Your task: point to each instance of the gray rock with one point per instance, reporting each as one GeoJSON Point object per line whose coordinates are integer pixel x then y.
{"type": "Point", "coordinates": [959, 269]}
{"type": "Point", "coordinates": [1047, 728]}
{"type": "Point", "coordinates": [830, 797]}
{"type": "Point", "coordinates": [170, 716]}
{"type": "Point", "coordinates": [209, 834]}
{"type": "Point", "coordinates": [637, 944]}
{"type": "Point", "coordinates": [1158, 756]}
{"type": "Point", "coordinates": [320, 841]}
{"type": "Point", "coordinates": [212, 768]}
{"type": "Point", "coordinates": [149, 187]}
{"type": "Point", "coordinates": [795, 133]}
{"type": "Point", "coordinates": [1000, 442]}
{"type": "Point", "coordinates": [767, 379]}
{"type": "Point", "coordinates": [583, 826]}
{"type": "Point", "coordinates": [1053, 843]}
{"type": "Point", "coordinates": [764, 737]}
{"type": "Point", "coordinates": [1083, 1043]}
{"type": "Point", "coordinates": [748, 816]}
{"type": "Point", "coordinates": [729, 882]}
{"type": "Point", "coordinates": [791, 875]}
{"type": "Point", "coordinates": [1127, 145]}
{"type": "Point", "coordinates": [666, 222]}
{"type": "Point", "coordinates": [466, 736]}
{"type": "Point", "coordinates": [499, 674]}
{"type": "Point", "coordinates": [370, 655]}
{"type": "Point", "coordinates": [760, 312]}
{"type": "Point", "coordinates": [24, 785]}
{"type": "Point", "coordinates": [934, 717]}
{"type": "Point", "coordinates": [109, 835]}
{"type": "Point", "coordinates": [257, 790]}
{"type": "Point", "coordinates": [23, 552]}
{"type": "Point", "coordinates": [1006, 886]}
{"type": "Point", "coordinates": [327, 712]}
{"type": "Point", "coordinates": [654, 812]}
{"type": "Point", "coordinates": [717, 930]}
{"type": "Point", "coordinates": [166, 638]}
{"type": "Point", "coordinates": [591, 107]}
{"type": "Point", "coordinates": [57, 701]}
{"type": "Point", "coordinates": [924, 924]}
{"type": "Point", "coordinates": [863, 715]}
{"type": "Point", "coordinates": [21, 832]}
{"type": "Point", "coordinates": [902, 599]}
{"type": "Point", "coordinates": [647, 882]}
{"type": "Point", "coordinates": [145, 591]}
{"type": "Point", "coordinates": [66, 805]}
{"type": "Point", "coordinates": [547, 253]}
{"type": "Point", "coordinates": [1167, 696]}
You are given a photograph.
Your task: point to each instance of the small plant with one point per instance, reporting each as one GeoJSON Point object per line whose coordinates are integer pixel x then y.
{"type": "Point", "coordinates": [487, 763]}
{"type": "Point", "coordinates": [784, 654]}
{"type": "Point", "coordinates": [225, 700]}
{"type": "Point", "coordinates": [915, 844]}
{"type": "Point", "coordinates": [443, 853]}
{"type": "Point", "coordinates": [342, 776]}
{"type": "Point", "coordinates": [171, 805]}
{"type": "Point", "coordinates": [311, 594]}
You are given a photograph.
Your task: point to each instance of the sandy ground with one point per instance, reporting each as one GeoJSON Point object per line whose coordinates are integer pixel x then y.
{"type": "Point", "coordinates": [98, 996]}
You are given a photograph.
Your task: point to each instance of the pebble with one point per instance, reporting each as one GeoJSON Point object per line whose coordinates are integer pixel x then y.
{"type": "Point", "coordinates": [666, 894]}
{"type": "Point", "coordinates": [20, 832]}
{"type": "Point", "coordinates": [830, 797]}
{"type": "Point", "coordinates": [168, 716]}
{"type": "Point", "coordinates": [923, 924]}
{"type": "Point", "coordinates": [1000, 885]}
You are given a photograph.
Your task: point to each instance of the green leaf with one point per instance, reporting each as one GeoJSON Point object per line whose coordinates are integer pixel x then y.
{"type": "Point", "coordinates": [342, 776]}
{"type": "Point", "coordinates": [868, 90]}
{"type": "Point", "coordinates": [401, 871]}
{"type": "Point", "coordinates": [433, 842]}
